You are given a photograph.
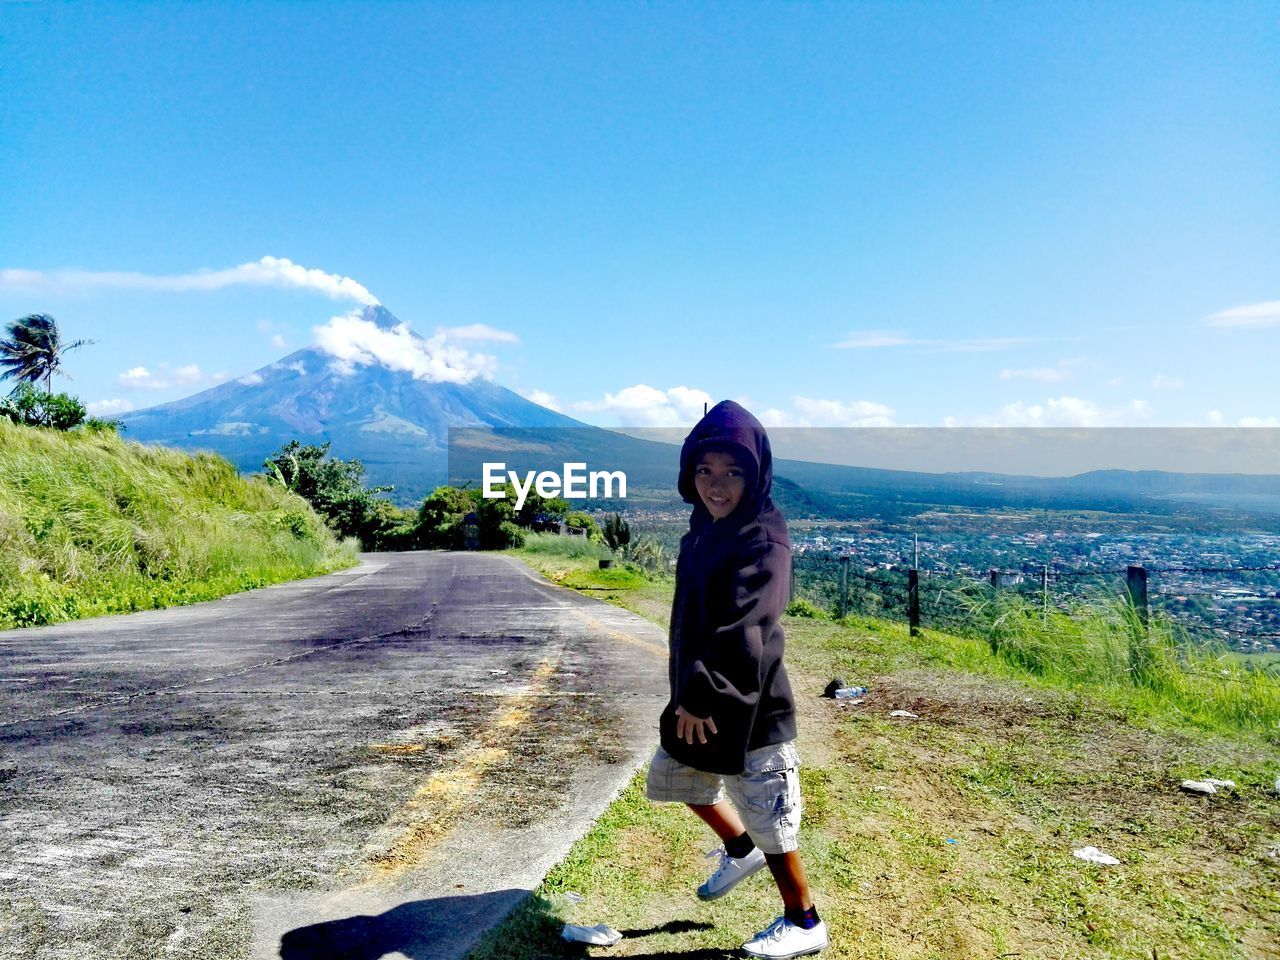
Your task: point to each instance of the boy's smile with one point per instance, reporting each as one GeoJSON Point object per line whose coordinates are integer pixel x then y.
{"type": "Point", "coordinates": [721, 482]}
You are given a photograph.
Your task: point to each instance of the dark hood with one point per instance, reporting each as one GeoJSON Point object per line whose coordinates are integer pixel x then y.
{"type": "Point", "coordinates": [729, 425]}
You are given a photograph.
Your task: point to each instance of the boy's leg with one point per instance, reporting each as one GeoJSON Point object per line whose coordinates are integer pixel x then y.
{"type": "Point", "coordinates": [721, 818]}
{"type": "Point", "coordinates": [788, 874]}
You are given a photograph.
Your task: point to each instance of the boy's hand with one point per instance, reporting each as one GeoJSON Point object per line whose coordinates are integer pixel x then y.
{"type": "Point", "coordinates": [688, 726]}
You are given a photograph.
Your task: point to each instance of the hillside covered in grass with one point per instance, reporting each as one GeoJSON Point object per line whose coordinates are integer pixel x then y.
{"type": "Point", "coordinates": [950, 833]}
{"type": "Point", "coordinates": [91, 523]}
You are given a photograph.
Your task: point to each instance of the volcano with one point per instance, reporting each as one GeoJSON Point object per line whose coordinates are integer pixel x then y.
{"type": "Point", "coordinates": [398, 425]}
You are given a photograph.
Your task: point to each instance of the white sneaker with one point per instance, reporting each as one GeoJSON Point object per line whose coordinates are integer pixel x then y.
{"type": "Point", "coordinates": [783, 939]}
{"type": "Point", "coordinates": [731, 872]}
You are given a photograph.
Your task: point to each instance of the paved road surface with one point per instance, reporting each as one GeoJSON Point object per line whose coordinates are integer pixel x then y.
{"type": "Point", "coordinates": [343, 760]}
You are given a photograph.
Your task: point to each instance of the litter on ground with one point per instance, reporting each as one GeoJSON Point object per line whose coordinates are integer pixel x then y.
{"type": "Point", "coordinates": [601, 935]}
{"type": "Point", "coordinates": [904, 713]}
{"type": "Point", "coordinates": [1094, 855]}
{"type": "Point", "coordinates": [1206, 786]}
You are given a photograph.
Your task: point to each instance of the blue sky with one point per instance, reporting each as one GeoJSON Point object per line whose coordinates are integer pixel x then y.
{"type": "Point", "coordinates": [906, 213]}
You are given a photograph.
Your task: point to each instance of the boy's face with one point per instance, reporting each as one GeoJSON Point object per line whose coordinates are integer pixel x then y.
{"type": "Point", "coordinates": [721, 482]}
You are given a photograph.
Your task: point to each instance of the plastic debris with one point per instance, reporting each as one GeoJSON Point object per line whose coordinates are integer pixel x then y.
{"type": "Point", "coordinates": [1207, 786]}
{"type": "Point", "coordinates": [1094, 855]}
{"type": "Point", "coordinates": [952, 842]}
{"type": "Point", "coordinates": [850, 693]}
{"type": "Point", "coordinates": [879, 789]}
{"type": "Point", "coordinates": [904, 713]}
{"type": "Point", "coordinates": [601, 935]}
{"type": "Point", "coordinates": [574, 897]}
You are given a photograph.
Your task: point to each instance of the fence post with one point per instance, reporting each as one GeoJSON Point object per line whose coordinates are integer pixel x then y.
{"type": "Point", "coordinates": [1136, 588]}
{"type": "Point", "coordinates": [1136, 591]}
{"type": "Point", "coordinates": [792, 595]}
{"type": "Point", "coordinates": [844, 585]}
{"type": "Point", "coordinates": [1044, 592]}
{"type": "Point", "coordinates": [913, 600]}
{"type": "Point", "coordinates": [995, 578]}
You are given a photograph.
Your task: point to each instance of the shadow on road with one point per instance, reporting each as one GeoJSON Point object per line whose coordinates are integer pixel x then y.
{"type": "Point", "coordinates": [436, 928]}
{"type": "Point", "coordinates": [420, 930]}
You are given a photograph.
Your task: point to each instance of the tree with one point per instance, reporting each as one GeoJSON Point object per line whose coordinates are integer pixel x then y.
{"type": "Point", "coordinates": [334, 487]}
{"type": "Point", "coordinates": [442, 517]}
{"type": "Point", "coordinates": [32, 350]}
{"type": "Point", "coordinates": [30, 407]}
{"type": "Point", "coordinates": [617, 532]}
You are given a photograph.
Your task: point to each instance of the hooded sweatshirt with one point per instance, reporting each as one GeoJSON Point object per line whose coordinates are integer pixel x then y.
{"type": "Point", "coordinates": [733, 581]}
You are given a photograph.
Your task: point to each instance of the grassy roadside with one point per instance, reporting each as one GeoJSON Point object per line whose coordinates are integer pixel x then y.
{"type": "Point", "coordinates": [950, 835]}
{"type": "Point", "coordinates": [93, 524]}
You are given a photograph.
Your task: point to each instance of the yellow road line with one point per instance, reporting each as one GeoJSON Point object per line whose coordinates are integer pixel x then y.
{"type": "Point", "coordinates": [431, 813]}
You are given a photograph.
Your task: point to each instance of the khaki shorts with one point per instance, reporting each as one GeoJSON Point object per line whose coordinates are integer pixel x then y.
{"type": "Point", "coordinates": [766, 794]}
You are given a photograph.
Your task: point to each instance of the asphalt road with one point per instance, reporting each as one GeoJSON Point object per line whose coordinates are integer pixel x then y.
{"type": "Point", "coordinates": [377, 763]}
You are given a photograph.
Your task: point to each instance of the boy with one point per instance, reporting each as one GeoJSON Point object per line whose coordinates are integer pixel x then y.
{"type": "Point", "coordinates": [730, 722]}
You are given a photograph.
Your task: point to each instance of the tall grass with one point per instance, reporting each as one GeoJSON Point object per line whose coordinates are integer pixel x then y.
{"type": "Point", "coordinates": [574, 548]}
{"type": "Point", "coordinates": [92, 524]}
{"type": "Point", "coordinates": [1105, 644]}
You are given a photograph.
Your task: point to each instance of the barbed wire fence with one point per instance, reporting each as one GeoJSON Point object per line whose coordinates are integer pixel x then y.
{"type": "Point", "coordinates": [1242, 609]}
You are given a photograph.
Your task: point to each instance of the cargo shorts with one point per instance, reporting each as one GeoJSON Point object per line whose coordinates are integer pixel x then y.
{"type": "Point", "coordinates": [766, 794]}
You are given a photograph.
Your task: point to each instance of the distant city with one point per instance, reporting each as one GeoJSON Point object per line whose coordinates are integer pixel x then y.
{"type": "Point", "coordinates": [1222, 584]}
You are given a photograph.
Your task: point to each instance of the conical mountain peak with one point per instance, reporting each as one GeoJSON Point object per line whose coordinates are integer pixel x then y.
{"type": "Point", "coordinates": [380, 316]}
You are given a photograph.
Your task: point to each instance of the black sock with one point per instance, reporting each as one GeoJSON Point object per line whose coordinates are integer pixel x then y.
{"type": "Point", "coordinates": [739, 846]}
{"type": "Point", "coordinates": [805, 919]}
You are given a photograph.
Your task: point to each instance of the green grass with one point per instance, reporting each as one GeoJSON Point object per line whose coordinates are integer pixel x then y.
{"type": "Point", "coordinates": [1159, 667]}
{"type": "Point", "coordinates": [93, 524]}
{"type": "Point", "coordinates": [951, 836]}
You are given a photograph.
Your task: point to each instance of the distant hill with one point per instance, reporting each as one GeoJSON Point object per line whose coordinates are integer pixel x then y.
{"type": "Point", "coordinates": [396, 424]}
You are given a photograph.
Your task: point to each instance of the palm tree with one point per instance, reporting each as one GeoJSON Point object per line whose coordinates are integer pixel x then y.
{"type": "Point", "coordinates": [32, 350]}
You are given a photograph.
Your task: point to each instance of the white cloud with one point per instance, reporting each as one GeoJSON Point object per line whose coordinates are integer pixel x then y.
{"type": "Point", "coordinates": [877, 339]}
{"type": "Point", "coordinates": [478, 331]}
{"type": "Point", "coordinates": [1162, 382]}
{"type": "Point", "coordinates": [250, 379]}
{"type": "Point", "coordinates": [1046, 374]}
{"type": "Point", "coordinates": [1259, 422]}
{"type": "Point", "coordinates": [543, 399]}
{"type": "Point", "coordinates": [874, 339]}
{"type": "Point", "coordinates": [811, 412]}
{"type": "Point", "coordinates": [1214, 418]}
{"type": "Point", "coordinates": [267, 272]}
{"type": "Point", "coordinates": [278, 341]}
{"type": "Point", "coordinates": [1253, 315]}
{"type": "Point", "coordinates": [644, 406]}
{"type": "Point", "coordinates": [140, 378]}
{"type": "Point", "coordinates": [105, 408]}
{"type": "Point", "coordinates": [1065, 411]}
{"type": "Point", "coordinates": [353, 341]}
